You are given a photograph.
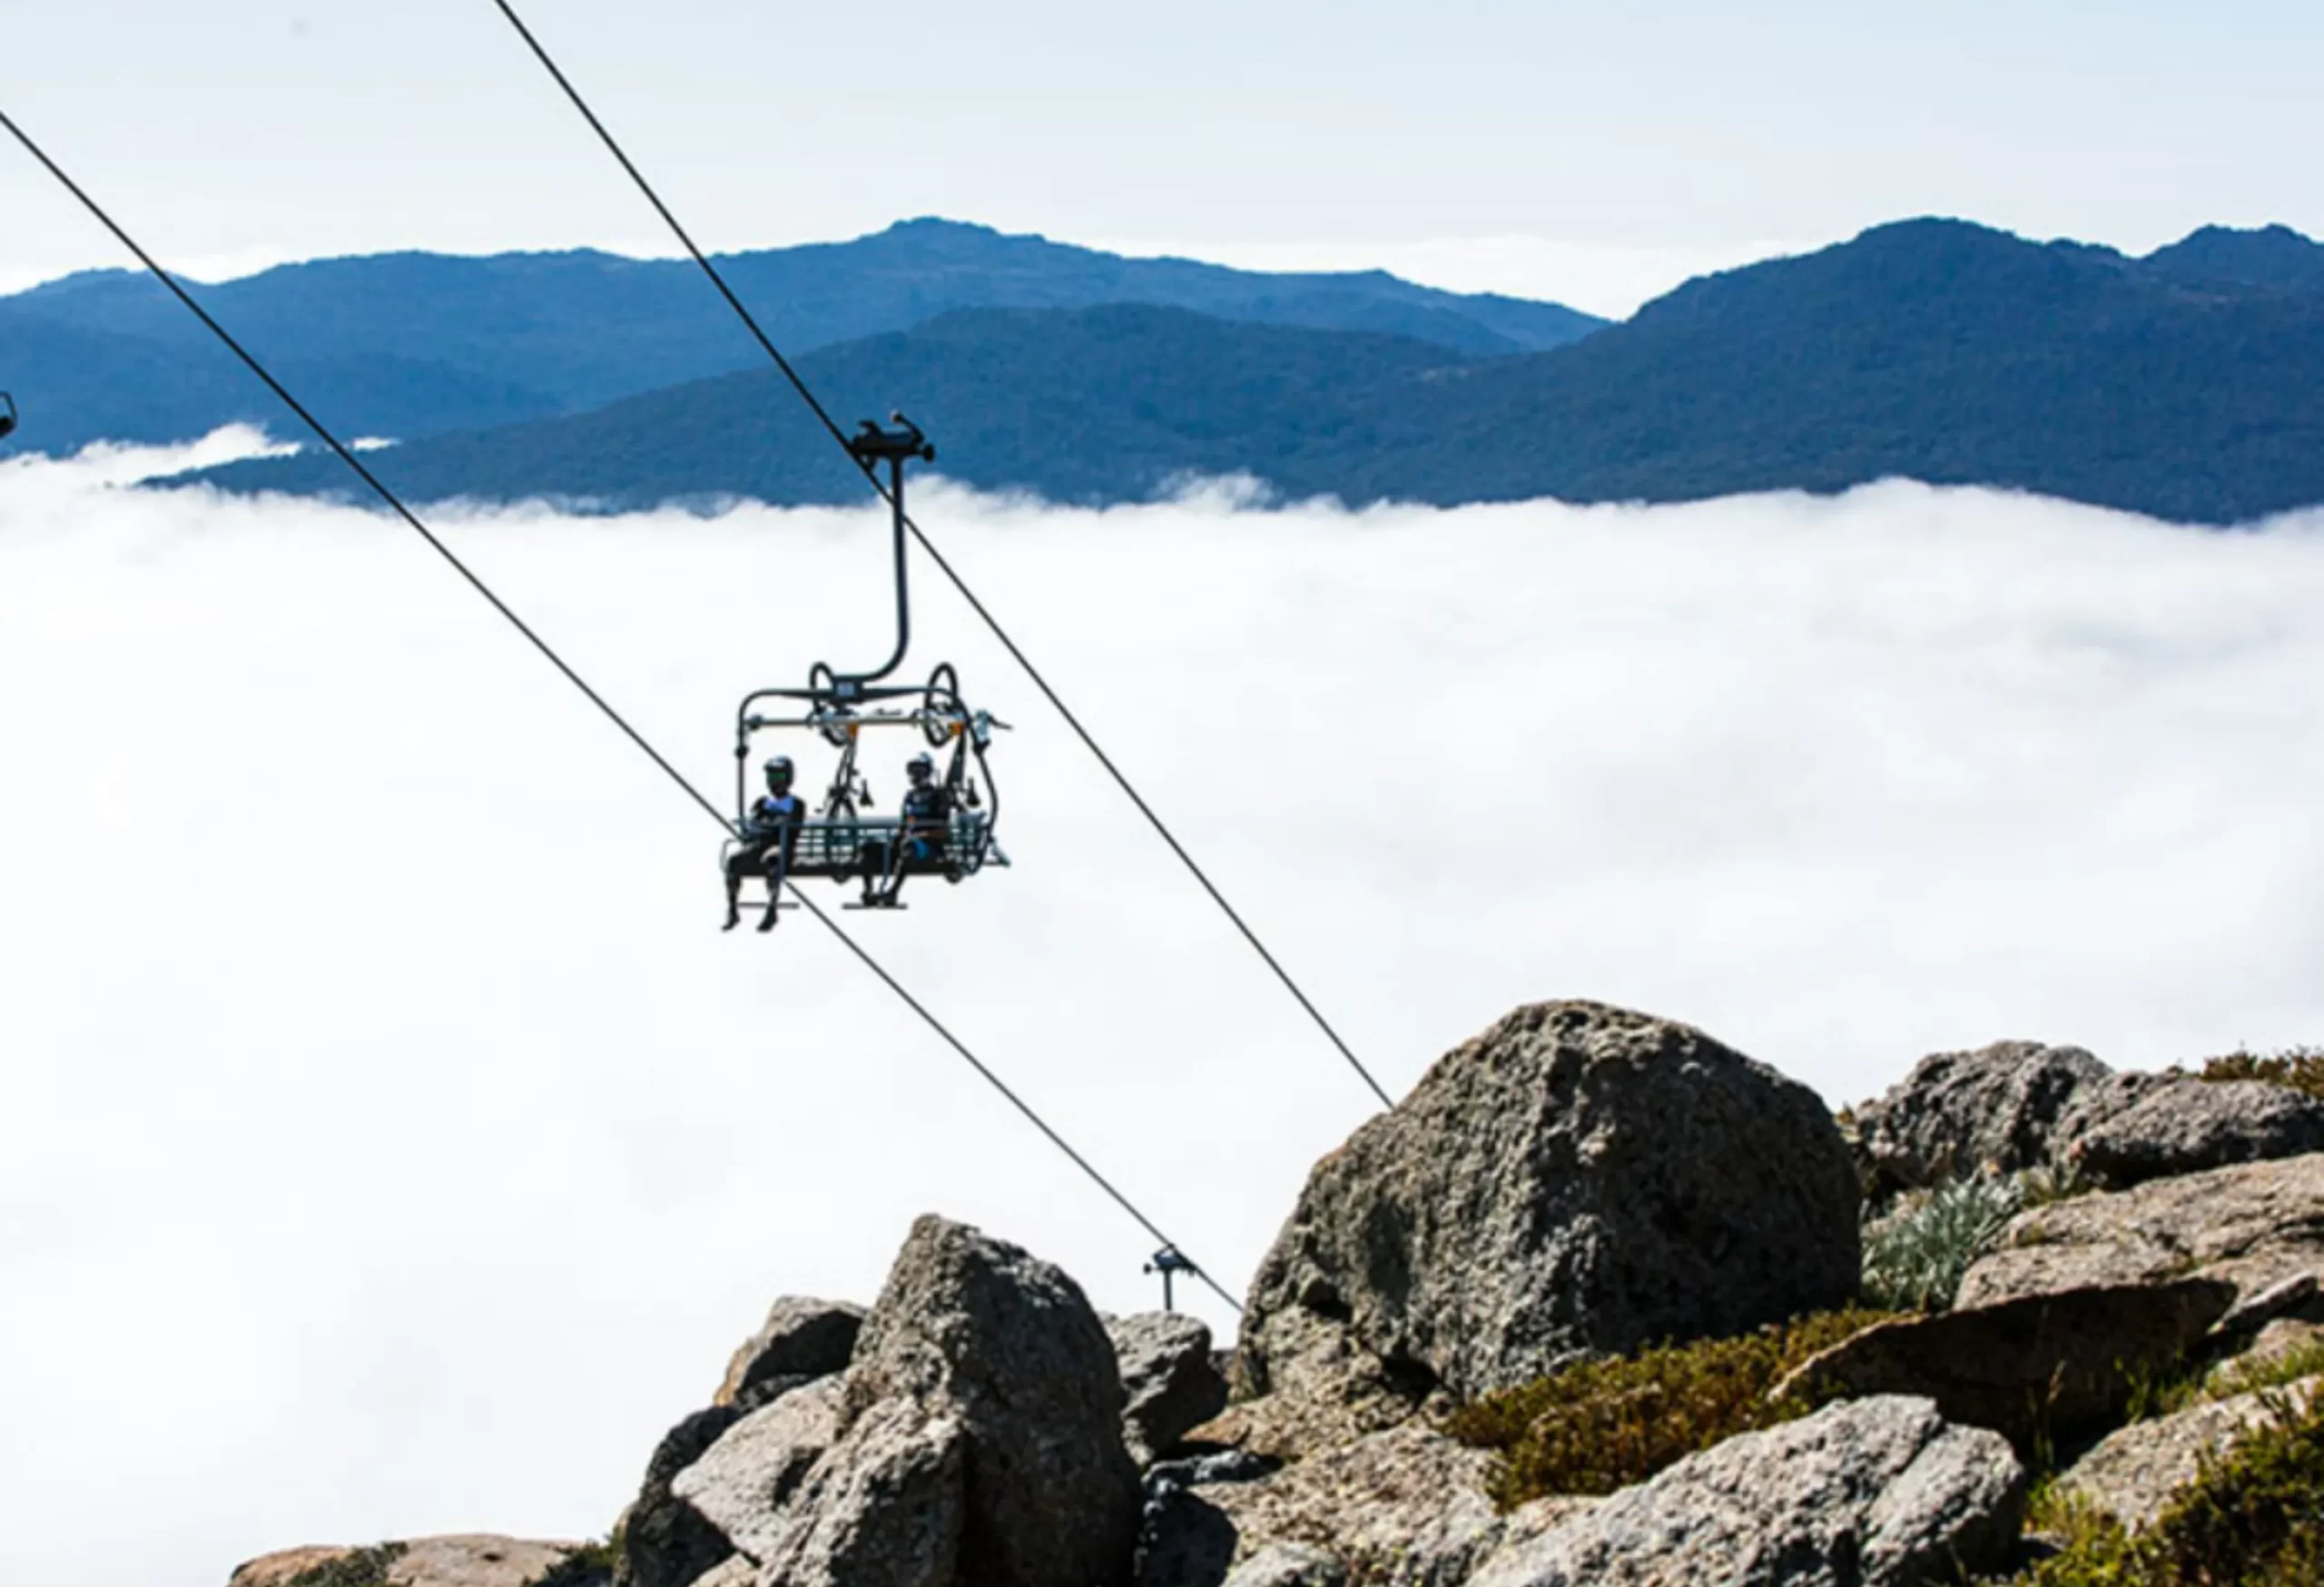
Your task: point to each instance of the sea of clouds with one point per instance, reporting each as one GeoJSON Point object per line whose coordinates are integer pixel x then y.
{"type": "Point", "coordinates": [390, 1143]}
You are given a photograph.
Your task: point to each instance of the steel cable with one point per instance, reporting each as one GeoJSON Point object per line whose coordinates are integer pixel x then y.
{"type": "Point", "coordinates": [347, 456]}
{"type": "Point", "coordinates": [823, 414]}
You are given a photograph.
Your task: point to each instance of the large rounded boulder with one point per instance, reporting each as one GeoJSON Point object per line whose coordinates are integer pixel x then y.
{"type": "Point", "coordinates": [1578, 1178]}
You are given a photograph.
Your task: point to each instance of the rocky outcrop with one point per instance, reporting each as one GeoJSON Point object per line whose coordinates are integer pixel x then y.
{"type": "Point", "coordinates": [801, 1340]}
{"type": "Point", "coordinates": [2132, 1474]}
{"type": "Point", "coordinates": [1404, 1508]}
{"type": "Point", "coordinates": [1185, 1539]}
{"type": "Point", "coordinates": [974, 1441]}
{"type": "Point", "coordinates": [666, 1542]}
{"type": "Point", "coordinates": [1877, 1493]}
{"type": "Point", "coordinates": [668, 1539]}
{"type": "Point", "coordinates": [889, 1508]}
{"type": "Point", "coordinates": [1576, 1180]}
{"type": "Point", "coordinates": [2187, 1126]}
{"type": "Point", "coordinates": [2036, 1365]}
{"type": "Point", "coordinates": [1410, 1502]}
{"type": "Point", "coordinates": [1171, 1382]}
{"type": "Point", "coordinates": [2001, 1109]}
{"type": "Point", "coordinates": [1324, 1390]}
{"type": "Point", "coordinates": [1289, 1566]}
{"type": "Point", "coordinates": [475, 1560]}
{"type": "Point", "coordinates": [2020, 1105]}
{"type": "Point", "coordinates": [2253, 1226]}
{"type": "Point", "coordinates": [1577, 1177]}
{"type": "Point", "coordinates": [978, 1331]}
{"type": "Point", "coordinates": [276, 1569]}
{"type": "Point", "coordinates": [462, 1560]}
{"type": "Point", "coordinates": [742, 1486]}
{"type": "Point", "coordinates": [2298, 1298]}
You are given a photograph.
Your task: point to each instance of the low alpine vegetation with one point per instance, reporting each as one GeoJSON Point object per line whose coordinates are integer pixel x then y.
{"type": "Point", "coordinates": [2247, 1375]}
{"type": "Point", "coordinates": [1604, 1425]}
{"type": "Point", "coordinates": [2300, 1068]}
{"type": "Point", "coordinates": [360, 1567]}
{"type": "Point", "coordinates": [2253, 1519]}
{"type": "Point", "coordinates": [590, 1565]}
{"type": "Point", "coordinates": [1915, 1253]}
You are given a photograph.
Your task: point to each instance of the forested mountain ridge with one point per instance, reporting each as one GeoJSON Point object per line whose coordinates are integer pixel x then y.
{"type": "Point", "coordinates": [1093, 405]}
{"type": "Point", "coordinates": [2189, 385]}
{"type": "Point", "coordinates": [414, 344]}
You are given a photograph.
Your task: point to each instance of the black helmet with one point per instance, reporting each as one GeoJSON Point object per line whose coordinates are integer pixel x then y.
{"type": "Point", "coordinates": [780, 766]}
{"type": "Point", "coordinates": [918, 764]}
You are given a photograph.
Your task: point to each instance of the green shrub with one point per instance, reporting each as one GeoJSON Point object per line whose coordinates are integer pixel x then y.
{"type": "Point", "coordinates": [2305, 1359]}
{"type": "Point", "coordinates": [590, 1565]}
{"type": "Point", "coordinates": [361, 1567]}
{"type": "Point", "coordinates": [1605, 1424]}
{"type": "Point", "coordinates": [2253, 1519]}
{"type": "Point", "coordinates": [2300, 1068]}
{"type": "Point", "coordinates": [1915, 1253]}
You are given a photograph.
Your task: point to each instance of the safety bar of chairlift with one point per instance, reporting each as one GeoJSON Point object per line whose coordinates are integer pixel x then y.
{"type": "Point", "coordinates": [867, 697]}
{"type": "Point", "coordinates": [888, 719]}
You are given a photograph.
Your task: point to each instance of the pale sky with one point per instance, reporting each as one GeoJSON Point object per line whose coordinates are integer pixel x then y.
{"type": "Point", "coordinates": [1597, 153]}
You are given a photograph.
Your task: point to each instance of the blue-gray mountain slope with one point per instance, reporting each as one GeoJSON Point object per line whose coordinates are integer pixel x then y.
{"type": "Point", "coordinates": [412, 345]}
{"type": "Point", "coordinates": [2190, 386]}
{"type": "Point", "coordinates": [1095, 405]}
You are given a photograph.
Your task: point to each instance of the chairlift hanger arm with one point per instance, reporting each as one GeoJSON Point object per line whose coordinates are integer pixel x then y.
{"type": "Point", "coordinates": [871, 445]}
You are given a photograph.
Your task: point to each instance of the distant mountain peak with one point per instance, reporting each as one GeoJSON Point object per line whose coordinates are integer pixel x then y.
{"type": "Point", "coordinates": [2273, 256]}
{"type": "Point", "coordinates": [2275, 233]}
{"type": "Point", "coordinates": [925, 224]}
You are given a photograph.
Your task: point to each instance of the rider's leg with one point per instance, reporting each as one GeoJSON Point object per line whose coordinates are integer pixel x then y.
{"type": "Point", "coordinates": [774, 871]}
{"type": "Point", "coordinates": [892, 882]}
{"type": "Point", "coordinates": [917, 849]}
{"type": "Point", "coordinates": [734, 893]}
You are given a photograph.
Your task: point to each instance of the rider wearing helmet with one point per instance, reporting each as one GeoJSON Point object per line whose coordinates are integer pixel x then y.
{"type": "Point", "coordinates": [769, 833]}
{"type": "Point", "coordinates": [926, 821]}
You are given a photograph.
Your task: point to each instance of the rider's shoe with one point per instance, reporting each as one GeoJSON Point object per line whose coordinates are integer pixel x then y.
{"type": "Point", "coordinates": [767, 923]}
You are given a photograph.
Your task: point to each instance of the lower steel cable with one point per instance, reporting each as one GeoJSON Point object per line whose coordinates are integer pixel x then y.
{"type": "Point", "coordinates": [823, 416]}
{"type": "Point", "coordinates": [347, 456]}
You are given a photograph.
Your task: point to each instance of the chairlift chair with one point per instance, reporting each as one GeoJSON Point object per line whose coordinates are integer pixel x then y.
{"type": "Point", "coordinates": [839, 841]}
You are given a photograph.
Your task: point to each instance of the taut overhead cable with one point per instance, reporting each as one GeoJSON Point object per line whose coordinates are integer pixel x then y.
{"type": "Point", "coordinates": [822, 415]}
{"type": "Point", "coordinates": [396, 504]}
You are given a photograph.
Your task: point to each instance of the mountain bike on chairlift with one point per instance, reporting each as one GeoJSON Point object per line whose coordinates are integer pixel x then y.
{"type": "Point", "coordinates": [945, 824]}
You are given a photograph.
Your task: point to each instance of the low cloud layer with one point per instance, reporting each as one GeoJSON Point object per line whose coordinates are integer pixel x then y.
{"type": "Point", "coordinates": [390, 1143]}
